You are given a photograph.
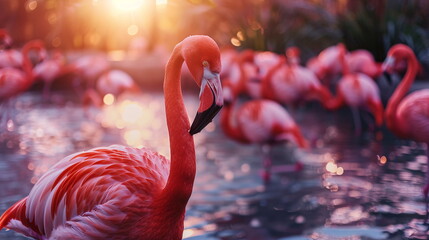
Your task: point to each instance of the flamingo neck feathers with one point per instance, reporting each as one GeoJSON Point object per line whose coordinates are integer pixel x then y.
{"type": "Point", "coordinates": [393, 122]}
{"type": "Point", "coordinates": [170, 203]}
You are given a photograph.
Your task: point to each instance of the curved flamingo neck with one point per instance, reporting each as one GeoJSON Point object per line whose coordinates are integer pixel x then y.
{"type": "Point", "coordinates": [229, 128]}
{"type": "Point", "coordinates": [178, 189]}
{"type": "Point", "coordinates": [267, 90]}
{"type": "Point", "coordinates": [27, 66]}
{"type": "Point", "coordinates": [392, 121]}
{"type": "Point", "coordinates": [344, 65]}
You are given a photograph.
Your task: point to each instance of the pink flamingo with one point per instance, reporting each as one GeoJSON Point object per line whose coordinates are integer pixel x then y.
{"type": "Point", "coordinates": [259, 121]}
{"type": "Point", "coordinates": [51, 69]}
{"type": "Point", "coordinates": [408, 116]}
{"type": "Point", "coordinates": [362, 61]}
{"type": "Point", "coordinates": [289, 83]}
{"type": "Point", "coordinates": [326, 65]}
{"type": "Point", "coordinates": [89, 68]}
{"type": "Point", "coordinates": [13, 81]}
{"type": "Point", "coordinates": [120, 192]}
{"type": "Point", "coordinates": [357, 90]}
{"type": "Point", "coordinates": [115, 82]}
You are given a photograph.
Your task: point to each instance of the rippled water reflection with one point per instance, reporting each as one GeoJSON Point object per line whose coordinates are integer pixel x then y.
{"type": "Point", "coordinates": [350, 187]}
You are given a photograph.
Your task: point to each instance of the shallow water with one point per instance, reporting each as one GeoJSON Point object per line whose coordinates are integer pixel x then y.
{"type": "Point", "coordinates": [350, 187]}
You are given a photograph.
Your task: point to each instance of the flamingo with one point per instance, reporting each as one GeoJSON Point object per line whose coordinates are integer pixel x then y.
{"type": "Point", "coordinates": [120, 192]}
{"type": "Point", "coordinates": [51, 69]}
{"type": "Point", "coordinates": [357, 90]}
{"type": "Point", "coordinates": [408, 116]}
{"type": "Point", "coordinates": [326, 65]}
{"type": "Point", "coordinates": [13, 81]}
{"type": "Point", "coordinates": [259, 121]}
{"type": "Point", "coordinates": [289, 83]}
{"type": "Point", "coordinates": [114, 82]}
{"type": "Point", "coordinates": [90, 68]}
{"type": "Point", "coordinates": [362, 61]}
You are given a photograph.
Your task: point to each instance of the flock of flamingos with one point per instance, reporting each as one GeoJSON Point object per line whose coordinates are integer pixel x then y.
{"type": "Point", "coordinates": [120, 192]}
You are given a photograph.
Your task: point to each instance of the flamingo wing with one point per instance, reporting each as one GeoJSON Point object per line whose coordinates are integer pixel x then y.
{"type": "Point", "coordinates": [95, 193]}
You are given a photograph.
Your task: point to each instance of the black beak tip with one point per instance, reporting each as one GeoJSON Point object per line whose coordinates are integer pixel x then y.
{"type": "Point", "coordinates": [202, 119]}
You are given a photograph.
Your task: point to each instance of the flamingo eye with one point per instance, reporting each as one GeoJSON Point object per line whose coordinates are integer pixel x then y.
{"type": "Point", "coordinates": [205, 63]}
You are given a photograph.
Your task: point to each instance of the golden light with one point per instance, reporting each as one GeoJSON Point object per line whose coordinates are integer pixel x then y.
{"type": "Point", "coordinates": [133, 30]}
{"type": "Point", "coordinates": [382, 159]}
{"type": "Point", "coordinates": [240, 35]}
{"type": "Point", "coordinates": [131, 111]}
{"type": "Point", "coordinates": [331, 167]}
{"type": "Point", "coordinates": [161, 2]}
{"type": "Point", "coordinates": [340, 171]}
{"type": "Point", "coordinates": [31, 5]}
{"type": "Point", "coordinates": [108, 99]}
{"type": "Point", "coordinates": [127, 5]}
{"type": "Point", "coordinates": [133, 138]}
{"type": "Point", "coordinates": [235, 42]}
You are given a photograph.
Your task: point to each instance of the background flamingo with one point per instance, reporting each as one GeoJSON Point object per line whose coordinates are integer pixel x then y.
{"type": "Point", "coordinates": [289, 83]}
{"type": "Point", "coordinates": [51, 69]}
{"type": "Point", "coordinates": [260, 121]}
{"type": "Point", "coordinates": [408, 116]}
{"type": "Point", "coordinates": [14, 81]}
{"type": "Point", "coordinates": [357, 90]}
{"type": "Point", "coordinates": [120, 192]}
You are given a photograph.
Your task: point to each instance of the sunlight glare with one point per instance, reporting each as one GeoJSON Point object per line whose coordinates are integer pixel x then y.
{"type": "Point", "coordinates": [161, 2]}
{"type": "Point", "coordinates": [109, 99]}
{"type": "Point", "coordinates": [127, 5]}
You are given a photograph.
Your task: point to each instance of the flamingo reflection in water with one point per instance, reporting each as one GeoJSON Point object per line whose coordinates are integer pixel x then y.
{"type": "Point", "coordinates": [121, 192]}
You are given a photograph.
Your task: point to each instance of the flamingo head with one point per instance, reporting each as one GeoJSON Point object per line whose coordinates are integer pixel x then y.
{"type": "Point", "coordinates": [397, 54]}
{"type": "Point", "coordinates": [202, 56]}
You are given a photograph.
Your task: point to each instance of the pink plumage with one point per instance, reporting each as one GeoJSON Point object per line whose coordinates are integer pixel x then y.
{"type": "Point", "coordinates": [121, 192]}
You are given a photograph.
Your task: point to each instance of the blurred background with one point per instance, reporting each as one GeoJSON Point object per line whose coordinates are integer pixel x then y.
{"type": "Point", "coordinates": [119, 27]}
{"type": "Point", "coordinates": [351, 187]}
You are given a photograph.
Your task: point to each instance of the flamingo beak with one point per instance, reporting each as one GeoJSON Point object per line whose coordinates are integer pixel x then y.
{"type": "Point", "coordinates": [211, 101]}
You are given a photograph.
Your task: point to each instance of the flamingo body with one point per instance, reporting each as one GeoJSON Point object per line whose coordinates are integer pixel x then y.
{"type": "Point", "coordinates": [114, 82]}
{"type": "Point", "coordinates": [413, 115]}
{"type": "Point", "coordinates": [358, 89]}
{"type": "Point", "coordinates": [98, 186]}
{"type": "Point", "coordinates": [263, 121]}
{"type": "Point", "coordinates": [122, 192]}
{"type": "Point", "coordinates": [362, 61]}
{"type": "Point", "coordinates": [290, 84]}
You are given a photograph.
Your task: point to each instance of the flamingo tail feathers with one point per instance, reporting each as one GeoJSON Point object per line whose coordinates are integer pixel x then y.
{"type": "Point", "coordinates": [14, 212]}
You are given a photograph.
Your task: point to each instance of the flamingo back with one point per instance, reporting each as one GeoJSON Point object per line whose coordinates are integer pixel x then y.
{"type": "Point", "coordinates": [47, 70]}
{"type": "Point", "coordinates": [260, 119]}
{"type": "Point", "coordinates": [358, 89]}
{"type": "Point", "coordinates": [114, 82]}
{"type": "Point", "coordinates": [413, 112]}
{"type": "Point", "coordinates": [93, 193]}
